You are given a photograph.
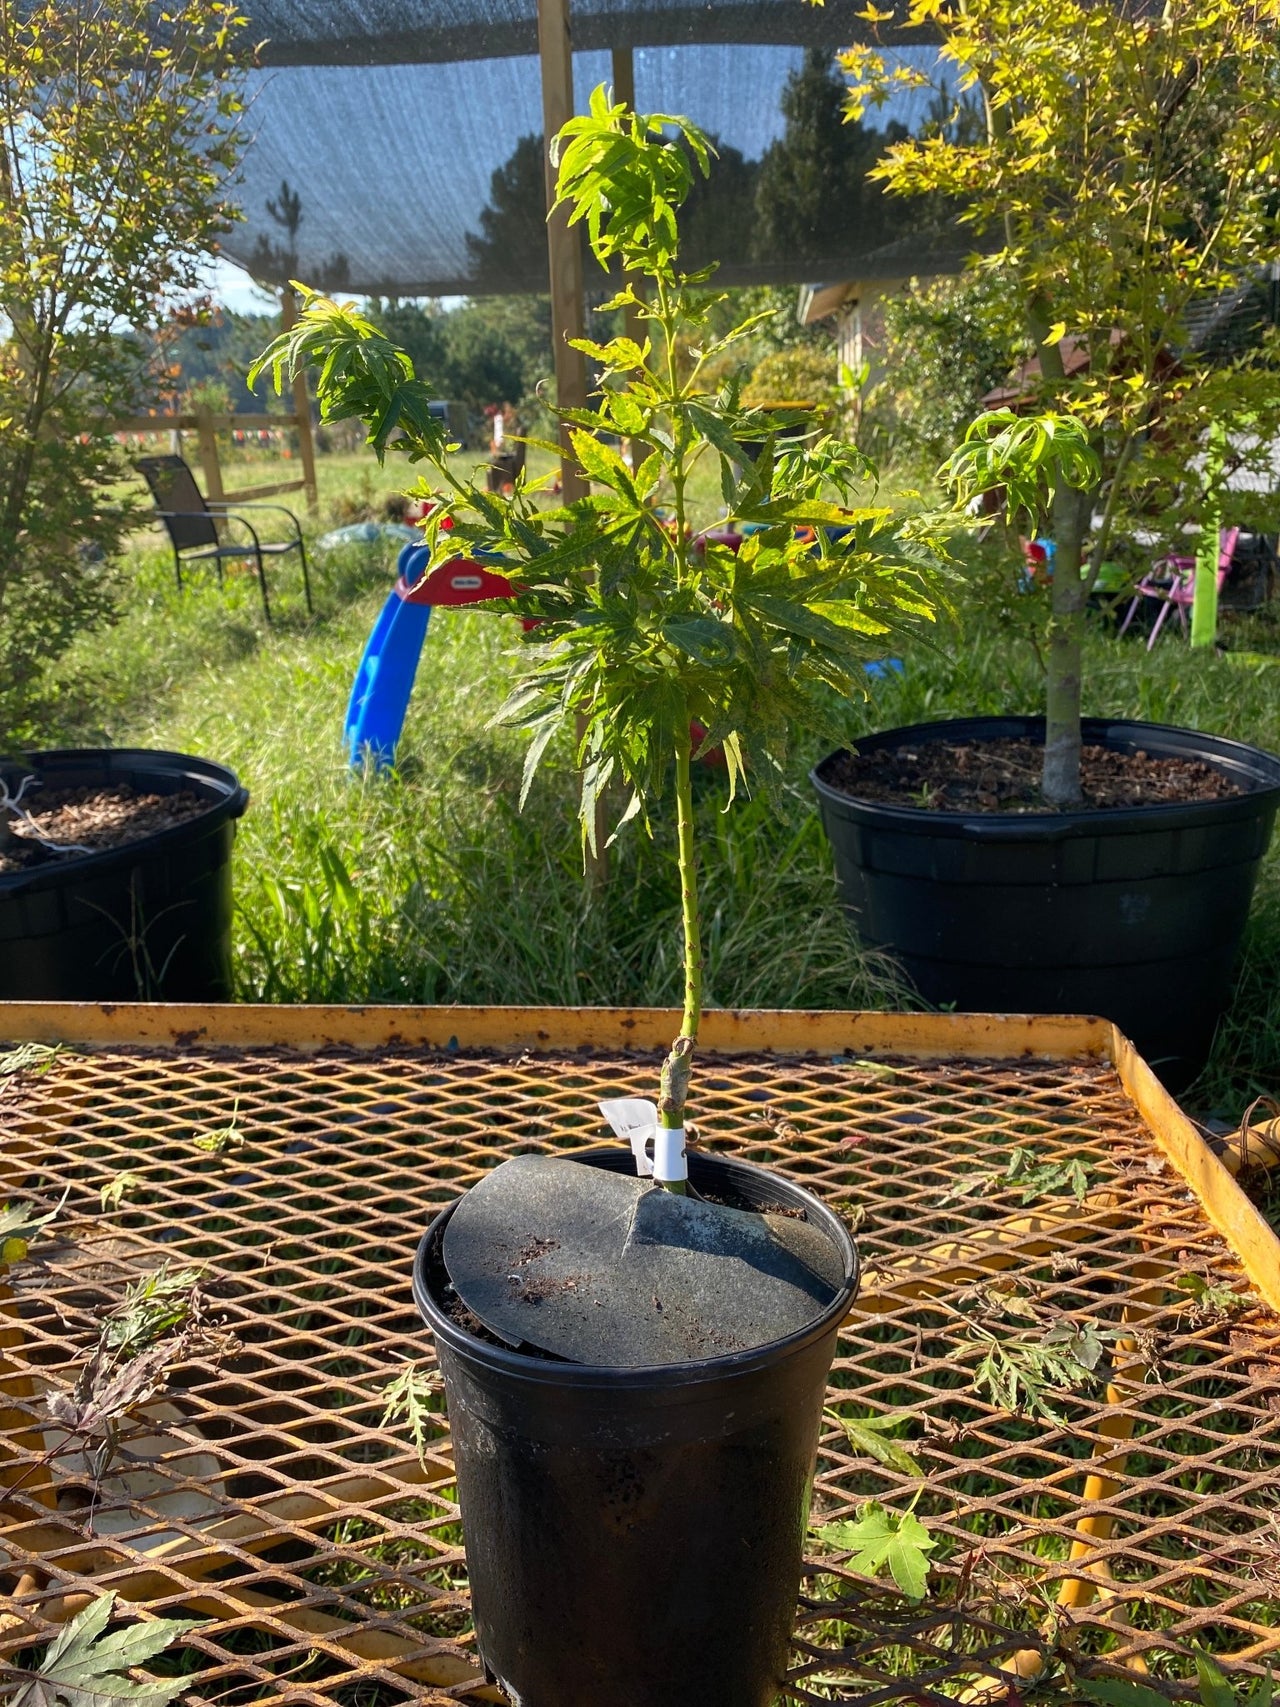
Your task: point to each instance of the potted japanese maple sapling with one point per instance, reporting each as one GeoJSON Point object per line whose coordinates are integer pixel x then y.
{"type": "Point", "coordinates": [1055, 863]}
{"type": "Point", "coordinates": [635, 1349]}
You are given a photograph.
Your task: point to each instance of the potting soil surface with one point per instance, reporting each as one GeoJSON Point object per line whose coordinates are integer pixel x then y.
{"type": "Point", "coordinates": [1004, 776]}
{"type": "Point", "coordinates": [1055, 1364]}
{"type": "Point", "coordinates": [92, 819]}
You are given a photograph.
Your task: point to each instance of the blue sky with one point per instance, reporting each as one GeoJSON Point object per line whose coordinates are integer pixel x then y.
{"type": "Point", "coordinates": [231, 287]}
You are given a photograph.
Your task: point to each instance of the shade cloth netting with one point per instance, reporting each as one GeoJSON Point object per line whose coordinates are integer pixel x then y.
{"type": "Point", "coordinates": [377, 127]}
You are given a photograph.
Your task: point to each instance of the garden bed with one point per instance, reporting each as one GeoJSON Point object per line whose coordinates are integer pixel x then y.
{"type": "Point", "coordinates": [295, 1155]}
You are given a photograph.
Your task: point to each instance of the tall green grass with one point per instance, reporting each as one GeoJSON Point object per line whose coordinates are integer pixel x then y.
{"type": "Point", "coordinates": [428, 884]}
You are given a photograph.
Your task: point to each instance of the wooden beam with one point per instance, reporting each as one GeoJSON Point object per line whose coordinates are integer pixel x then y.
{"type": "Point", "coordinates": [568, 316]}
{"type": "Point", "coordinates": [207, 439]}
{"type": "Point", "coordinates": [248, 493]}
{"type": "Point", "coordinates": [301, 405]}
{"type": "Point", "coordinates": [564, 251]}
{"type": "Point", "coordinates": [188, 423]}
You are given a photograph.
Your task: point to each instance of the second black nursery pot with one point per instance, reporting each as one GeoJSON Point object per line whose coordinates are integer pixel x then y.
{"type": "Point", "coordinates": [1135, 913]}
{"type": "Point", "coordinates": [634, 1536]}
{"type": "Point", "coordinates": [147, 921]}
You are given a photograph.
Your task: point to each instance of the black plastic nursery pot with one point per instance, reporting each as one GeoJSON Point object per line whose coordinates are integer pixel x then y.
{"type": "Point", "coordinates": [149, 920]}
{"type": "Point", "coordinates": [1133, 913]}
{"type": "Point", "coordinates": [634, 1536]}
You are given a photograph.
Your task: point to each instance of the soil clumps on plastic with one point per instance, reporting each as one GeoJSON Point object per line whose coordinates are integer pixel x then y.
{"type": "Point", "coordinates": [623, 1274]}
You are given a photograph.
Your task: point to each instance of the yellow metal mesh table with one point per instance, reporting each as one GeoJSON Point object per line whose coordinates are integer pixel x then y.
{"type": "Point", "coordinates": [294, 1156]}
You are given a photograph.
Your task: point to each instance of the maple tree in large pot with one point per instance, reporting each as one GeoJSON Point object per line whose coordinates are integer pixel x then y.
{"type": "Point", "coordinates": [1126, 172]}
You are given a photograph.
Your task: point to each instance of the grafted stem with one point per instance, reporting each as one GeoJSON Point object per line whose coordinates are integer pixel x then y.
{"type": "Point", "coordinates": [674, 1089]}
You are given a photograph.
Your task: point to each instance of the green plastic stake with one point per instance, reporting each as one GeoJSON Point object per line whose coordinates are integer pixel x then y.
{"type": "Point", "coordinates": [1204, 607]}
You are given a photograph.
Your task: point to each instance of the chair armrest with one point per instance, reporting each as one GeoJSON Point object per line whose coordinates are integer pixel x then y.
{"type": "Point", "coordinates": [222, 509]}
{"type": "Point", "coordinates": [214, 514]}
{"type": "Point", "coordinates": [231, 516]}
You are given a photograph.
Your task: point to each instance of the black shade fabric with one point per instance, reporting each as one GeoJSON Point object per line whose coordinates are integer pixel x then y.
{"type": "Point", "coordinates": [396, 149]}
{"type": "Point", "coordinates": [1224, 326]}
{"type": "Point", "coordinates": [417, 32]}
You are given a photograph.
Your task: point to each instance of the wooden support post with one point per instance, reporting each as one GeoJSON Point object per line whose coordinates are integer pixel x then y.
{"type": "Point", "coordinates": [301, 406]}
{"type": "Point", "coordinates": [623, 66]}
{"type": "Point", "coordinates": [564, 250]}
{"type": "Point", "coordinates": [207, 439]}
{"type": "Point", "coordinates": [568, 319]}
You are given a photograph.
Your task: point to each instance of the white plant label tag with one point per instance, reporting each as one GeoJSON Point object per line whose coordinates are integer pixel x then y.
{"type": "Point", "coordinates": [635, 1119]}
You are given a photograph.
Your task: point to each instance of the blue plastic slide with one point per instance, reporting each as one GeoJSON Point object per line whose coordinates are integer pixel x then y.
{"type": "Point", "coordinates": [380, 694]}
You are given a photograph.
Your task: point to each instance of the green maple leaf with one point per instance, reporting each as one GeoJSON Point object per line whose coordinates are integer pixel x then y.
{"type": "Point", "coordinates": [1215, 1688]}
{"type": "Point", "coordinates": [86, 1668]}
{"type": "Point", "coordinates": [227, 1137]}
{"type": "Point", "coordinates": [19, 1224]}
{"type": "Point", "coordinates": [116, 1190]}
{"type": "Point", "coordinates": [1047, 1179]}
{"type": "Point", "coordinates": [869, 1437]}
{"type": "Point", "coordinates": [878, 1537]}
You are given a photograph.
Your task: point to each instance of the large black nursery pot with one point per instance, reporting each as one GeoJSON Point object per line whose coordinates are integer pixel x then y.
{"type": "Point", "coordinates": [150, 920]}
{"type": "Point", "coordinates": [1134, 913]}
{"type": "Point", "coordinates": [634, 1536]}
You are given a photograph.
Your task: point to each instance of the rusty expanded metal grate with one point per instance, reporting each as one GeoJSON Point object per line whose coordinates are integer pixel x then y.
{"type": "Point", "coordinates": [263, 1494]}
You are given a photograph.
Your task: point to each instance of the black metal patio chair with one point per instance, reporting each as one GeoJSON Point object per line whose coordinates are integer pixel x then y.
{"type": "Point", "coordinates": [191, 521]}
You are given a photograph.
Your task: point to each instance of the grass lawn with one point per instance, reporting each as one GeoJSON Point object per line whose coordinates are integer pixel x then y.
{"type": "Point", "coordinates": [430, 886]}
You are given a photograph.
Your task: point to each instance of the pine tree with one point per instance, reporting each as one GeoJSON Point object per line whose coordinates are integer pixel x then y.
{"type": "Point", "coordinates": [813, 202]}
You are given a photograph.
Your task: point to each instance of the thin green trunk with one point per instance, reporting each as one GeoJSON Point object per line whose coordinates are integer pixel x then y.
{"type": "Point", "coordinates": [1060, 782]}
{"type": "Point", "coordinates": [1060, 777]}
{"type": "Point", "coordinates": [688, 888]}
{"type": "Point", "coordinates": [1204, 609]}
{"type": "Point", "coordinates": [674, 1088]}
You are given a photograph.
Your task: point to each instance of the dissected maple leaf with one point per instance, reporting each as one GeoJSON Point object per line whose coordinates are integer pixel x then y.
{"type": "Point", "coordinates": [88, 1666]}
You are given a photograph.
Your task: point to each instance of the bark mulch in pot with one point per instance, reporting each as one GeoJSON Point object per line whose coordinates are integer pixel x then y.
{"type": "Point", "coordinates": [1004, 776]}
{"type": "Point", "coordinates": [92, 819]}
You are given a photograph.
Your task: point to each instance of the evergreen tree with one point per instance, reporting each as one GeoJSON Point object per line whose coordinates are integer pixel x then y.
{"type": "Point", "coordinates": [813, 201]}
{"type": "Point", "coordinates": [718, 219]}
{"type": "Point", "coordinates": [215, 349]}
{"type": "Point", "coordinates": [417, 329]}
{"type": "Point", "coordinates": [497, 349]}
{"type": "Point", "coordinates": [510, 251]}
